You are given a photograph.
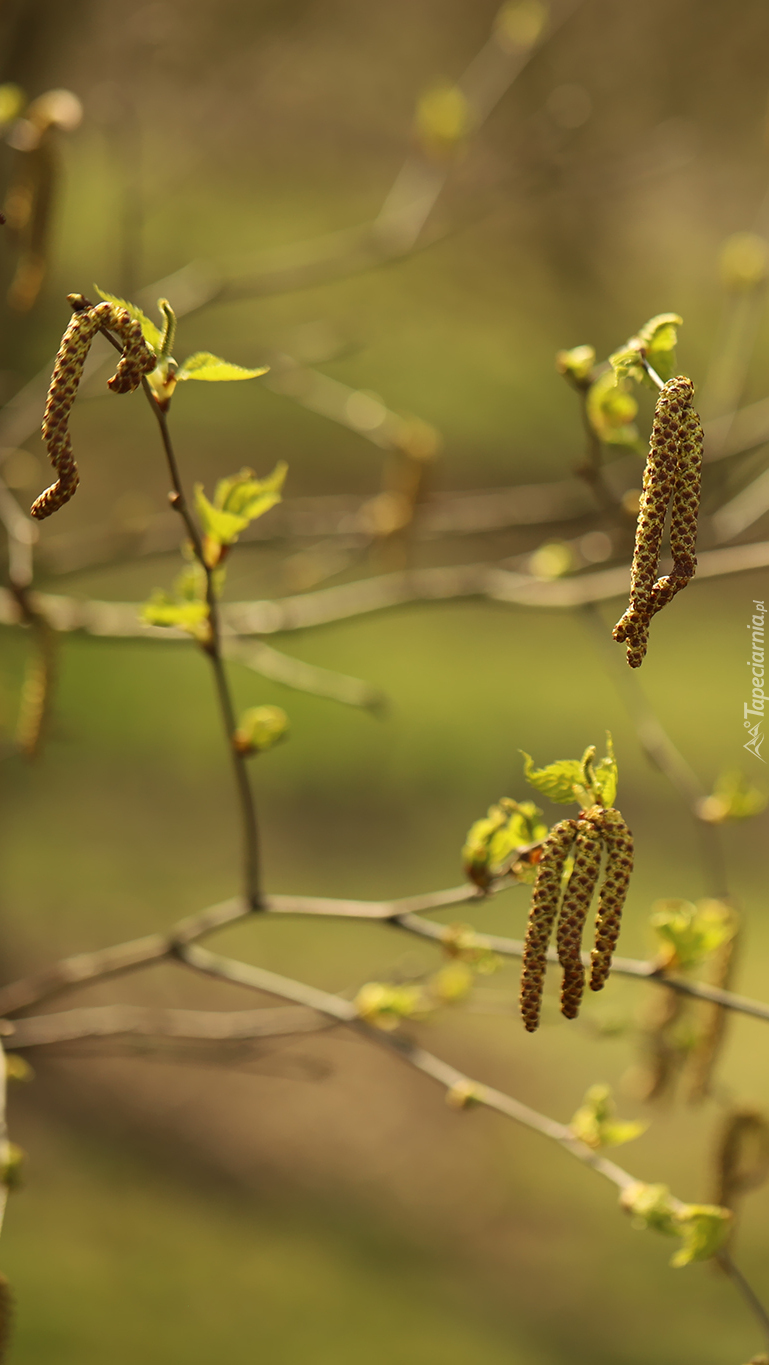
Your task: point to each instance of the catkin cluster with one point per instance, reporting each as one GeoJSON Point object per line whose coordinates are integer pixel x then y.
{"type": "Point", "coordinates": [672, 477]}
{"type": "Point", "coordinates": [597, 829]}
{"type": "Point", "coordinates": [137, 360]}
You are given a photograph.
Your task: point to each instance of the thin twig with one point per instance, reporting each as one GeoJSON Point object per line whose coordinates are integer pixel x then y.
{"type": "Point", "coordinates": [327, 605]}
{"type": "Point", "coordinates": [404, 914]}
{"type": "Point", "coordinates": [748, 1293]}
{"type": "Point", "coordinates": [213, 649]}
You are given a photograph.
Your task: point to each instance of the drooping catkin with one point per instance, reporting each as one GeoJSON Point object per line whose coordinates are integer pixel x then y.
{"type": "Point", "coordinates": [137, 360]}
{"type": "Point", "coordinates": [544, 908]}
{"type": "Point", "coordinates": [672, 475]}
{"type": "Point", "coordinates": [619, 865]}
{"type": "Point", "coordinates": [571, 921]}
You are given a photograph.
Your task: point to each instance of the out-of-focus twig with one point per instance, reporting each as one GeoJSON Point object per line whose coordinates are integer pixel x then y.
{"type": "Point", "coordinates": [269, 617]}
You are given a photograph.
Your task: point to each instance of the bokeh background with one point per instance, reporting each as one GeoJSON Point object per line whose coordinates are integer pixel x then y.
{"type": "Point", "coordinates": [310, 1199]}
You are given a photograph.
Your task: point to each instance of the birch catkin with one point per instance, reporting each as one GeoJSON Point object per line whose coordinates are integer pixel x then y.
{"type": "Point", "coordinates": [137, 360]}
{"type": "Point", "coordinates": [571, 921]}
{"type": "Point", "coordinates": [619, 865]}
{"type": "Point", "coordinates": [544, 908]}
{"type": "Point", "coordinates": [672, 475]}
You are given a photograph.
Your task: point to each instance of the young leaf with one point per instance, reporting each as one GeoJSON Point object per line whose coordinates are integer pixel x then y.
{"type": "Point", "coordinates": [491, 842]}
{"type": "Point", "coordinates": [651, 1207]}
{"type": "Point", "coordinates": [734, 798]}
{"type": "Point", "coordinates": [605, 776]}
{"type": "Point", "coordinates": [594, 1123]}
{"type": "Point", "coordinates": [659, 337]}
{"type": "Point", "coordinates": [704, 1229]}
{"type": "Point", "coordinates": [260, 728]}
{"type": "Point", "coordinates": [576, 364]}
{"type": "Point", "coordinates": [691, 933]}
{"type": "Point", "coordinates": [557, 781]}
{"type": "Point", "coordinates": [150, 332]}
{"type": "Point", "coordinates": [611, 411]}
{"type": "Point", "coordinates": [238, 500]}
{"type": "Point", "coordinates": [164, 610]}
{"type": "Point", "coordinates": [212, 368]}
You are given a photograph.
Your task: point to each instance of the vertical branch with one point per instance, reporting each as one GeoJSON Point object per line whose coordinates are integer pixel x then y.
{"type": "Point", "coordinates": [741, 1284]}
{"type": "Point", "coordinates": [213, 648]}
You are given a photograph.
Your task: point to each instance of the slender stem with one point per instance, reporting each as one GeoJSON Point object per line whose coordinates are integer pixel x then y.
{"type": "Point", "coordinates": [651, 372]}
{"type": "Point", "coordinates": [213, 649]}
{"type": "Point", "coordinates": [751, 1298]}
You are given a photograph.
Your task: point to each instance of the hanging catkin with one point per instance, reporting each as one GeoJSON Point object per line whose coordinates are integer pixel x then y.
{"type": "Point", "coordinates": [571, 921]}
{"type": "Point", "coordinates": [137, 360]}
{"type": "Point", "coordinates": [619, 865]}
{"type": "Point", "coordinates": [544, 908]}
{"type": "Point", "coordinates": [672, 475]}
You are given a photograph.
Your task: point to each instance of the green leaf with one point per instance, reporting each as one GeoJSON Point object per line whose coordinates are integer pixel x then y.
{"type": "Point", "coordinates": [733, 798]}
{"type": "Point", "coordinates": [384, 1006]}
{"type": "Point", "coordinates": [150, 332]}
{"type": "Point", "coordinates": [626, 364]}
{"type": "Point", "coordinates": [605, 775]}
{"type": "Point", "coordinates": [659, 337]}
{"type": "Point", "coordinates": [238, 500]}
{"type": "Point", "coordinates": [594, 1122]}
{"type": "Point", "coordinates": [576, 364]}
{"type": "Point", "coordinates": [243, 493]}
{"type": "Point", "coordinates": [650, 1206]}
{"type": "Point", "coordinates": [692, 933]}
{"type": "Point", "coordinates": [611, 410]}
{"type": "Point", "coordinates": [164, 610]}
{"type": "Point", "coordinates": [260, 728]}
{"type": "Point", "coordinates": [212, 368]}
{"type": "Point", "coordinates": [557, 781]}
{"type": "Point", "coordinates": [491, 842]}
{"type": "Point", "coordinates": [704, 1229]}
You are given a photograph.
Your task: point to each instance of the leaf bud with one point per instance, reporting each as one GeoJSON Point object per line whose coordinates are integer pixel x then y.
{"type": "Point", "coordinates": [259, 729]}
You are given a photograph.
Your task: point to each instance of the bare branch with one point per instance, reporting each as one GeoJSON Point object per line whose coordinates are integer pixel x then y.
{"type": "Point", "coordinates": [404, 913]}
{"type": "Point", "coordinates": [103, 1021]}
{"type": "Point", "coordinates": [298, 612]}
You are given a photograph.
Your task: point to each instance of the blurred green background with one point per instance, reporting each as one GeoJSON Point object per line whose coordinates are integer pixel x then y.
{"type": "Point", "coordinates": [308, 1199]}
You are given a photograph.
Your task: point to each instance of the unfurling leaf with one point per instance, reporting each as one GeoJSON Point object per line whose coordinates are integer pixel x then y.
{"type": "Point", "coordinates": [580, 780]}
{"type": "Point", "coordinates": [557, 781]}
{"type": "Point", "coordinates": [611, 411]}
{"type": "Point", "coordinates": [186, 607]}
{"type": "Point", "coordinates": [203, 365]}
{"type": "Point", "coordinates": [260, 728]}
{"type": "Point", "coordinates": [691, 932]}
{"type": "Point", "coordinates": [651, 1206]}
{"type": "Point", "coordinates": [594, 1122]}
{"type": "Point", "coordinates": [605, 775]}
{"type": "Point", "coordinates": [659, 337]}
{"type": "Point", "coordinates": [576, 364]}
{"type": "Point", "coordinates": [384, 1006]}
{"type": "Point", "coordinates": [150, 332]}
{"type": "Point", "coordinates": [704, 1229]}
{"type": "Point", "coordinates": [490, 842]}
{"type": "Point", "coordinates": [238, 500]}
{"type": "Point", "coordinates": [164, 610]}
{"type": "Point", "coordinates": [734, 798]}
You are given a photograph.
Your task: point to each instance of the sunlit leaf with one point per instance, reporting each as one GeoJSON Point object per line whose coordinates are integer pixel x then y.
{"type": "Point", "coordinates": [557, 781]}
{"type": "Point", "coordinates": [213, 369]}
{"type": "Point", "coordinates": [150, 332]}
